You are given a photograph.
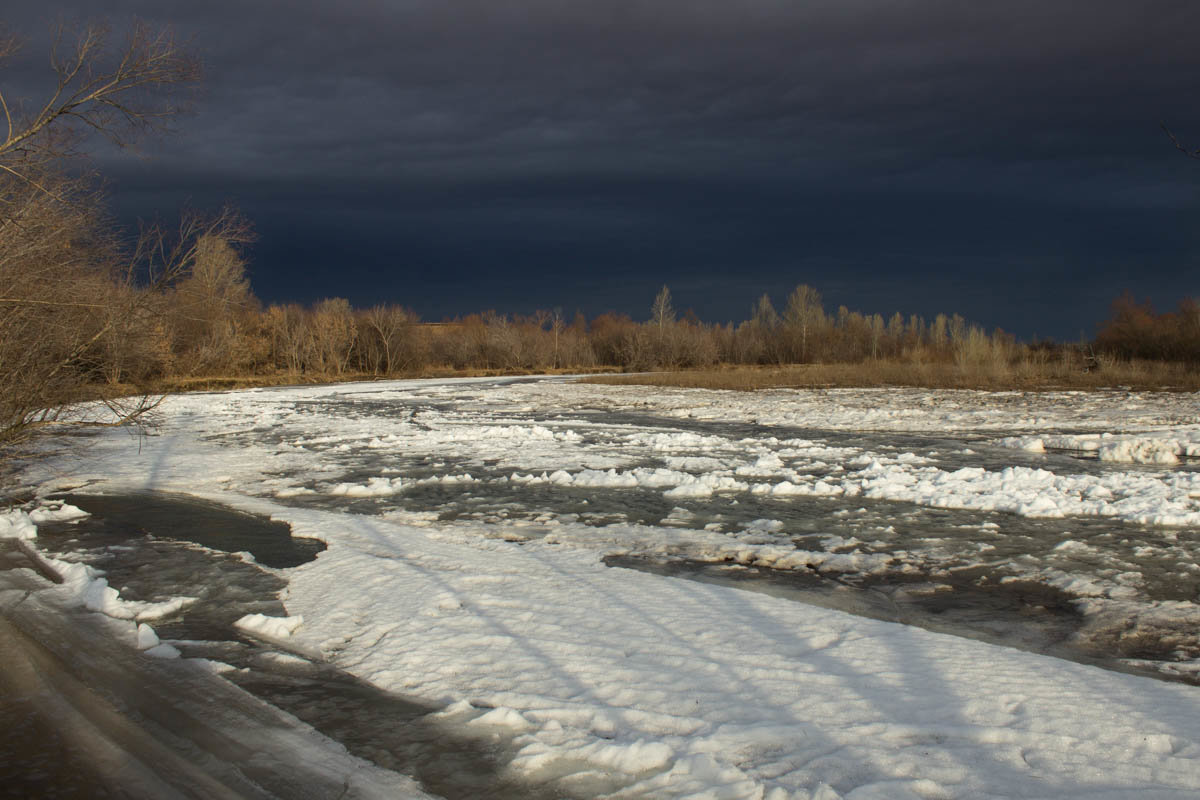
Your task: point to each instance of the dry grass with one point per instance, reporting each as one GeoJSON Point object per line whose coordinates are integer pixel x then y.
{"type": "Point", "coordinates": [1144, 376]}
{"type": "Point", "coordinates": [211, 383]}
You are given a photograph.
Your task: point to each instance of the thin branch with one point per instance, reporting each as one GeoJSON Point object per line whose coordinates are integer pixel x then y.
{"type": "Point", "coordinates": [7, 117]}
{"type": "Point", "coordinates": [24, 301]}
{"type": "Point", "coordinates": [31, 181]}
{"type": "Point", "coordinates": [133, 95]}
{"type": "Point", "coordinates": [1179, 145]}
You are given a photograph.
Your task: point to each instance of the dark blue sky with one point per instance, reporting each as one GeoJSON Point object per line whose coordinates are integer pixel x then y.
{"type": "Point", "coordinates": [1000, 160]}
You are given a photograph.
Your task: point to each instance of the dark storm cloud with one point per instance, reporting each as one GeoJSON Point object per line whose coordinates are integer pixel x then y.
{"type": "Point", "coordinates": [459, 155]}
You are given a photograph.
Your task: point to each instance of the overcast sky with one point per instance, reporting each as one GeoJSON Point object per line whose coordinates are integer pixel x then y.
{"type": "Point", "coordinates": [1003, 160]}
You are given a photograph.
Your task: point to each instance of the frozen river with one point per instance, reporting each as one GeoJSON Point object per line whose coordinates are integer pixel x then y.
{"type": "Point", "coordinates": [555, 589]}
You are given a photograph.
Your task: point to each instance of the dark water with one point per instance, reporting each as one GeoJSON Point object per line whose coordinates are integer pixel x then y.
{"type": "Point", "coordinates": [180, 517]}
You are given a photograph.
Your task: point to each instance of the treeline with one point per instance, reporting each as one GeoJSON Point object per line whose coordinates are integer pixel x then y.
{"type": "Point", "coordinates": [1135, 330]}
{"type": "Point", "coordinates": [207, 323]}
{"type": "Point", "coordinates": [211, 325]}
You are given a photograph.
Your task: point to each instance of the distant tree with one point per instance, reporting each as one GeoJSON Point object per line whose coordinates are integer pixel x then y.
{"type": "Point", "coordinates": [763, 315]}
{"type": "Point", "coordinates": [895, 334]}
{"type": "Point", "coordinates": [609, 333]}
{"type": "Point", "coordinates": [662, 313]}
{"type": "Point", "coordinates": [577, 347]}
{"type": "Point", "coordinates": [802, 318]}
{"type": "Point", "coordinates": [557, 326]}
{"type": "Point", "coordinates": [655, 348]}
{"type": "Point", "coordinates": [1136, 330]}
{"type": "Point", "coordinates": [334, 334]}
{"type": "Point", "coordinates": [762, 333]}
{"type": "Point", "coordinates": [212, 304]}
{"type": "Point", "coordinates": [291, 339]}
{"type": "Point", "coordinates": [389, 326]}
{"type": "Point", "coordinates": [505, 344]}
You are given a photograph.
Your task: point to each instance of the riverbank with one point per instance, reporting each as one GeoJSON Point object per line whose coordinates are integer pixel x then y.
{"type": "Point", "coordinates": [1026, 377]}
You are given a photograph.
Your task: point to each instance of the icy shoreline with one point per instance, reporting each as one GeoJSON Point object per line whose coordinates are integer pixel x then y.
{"type": "Point", "coordinates": [621, 683]}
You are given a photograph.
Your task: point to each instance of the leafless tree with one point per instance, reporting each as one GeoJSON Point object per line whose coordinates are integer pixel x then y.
{"type": "Point", "coordinates": [211, 303]}
{"type": "Point", "coordinates": [761, 335]}
{"type": "Point", "coordinates": [557, 325]}
{"type": "Point", "coordinates": [74, 310]}
{"type": "Point", "coordinates": [70, 300]}
{"type": "Point", "coordinates": [334, 335]}
{"type": "Point", "coordinates": [117, 92]}
{"type": "Point", "coordinates": [291, 340]}
{"type": "Point", "coordinates": [390, 325]}
{"type": "Point", "coordinates": [802, 318]}
{"type": "Point", "coordinates": [662, 313]}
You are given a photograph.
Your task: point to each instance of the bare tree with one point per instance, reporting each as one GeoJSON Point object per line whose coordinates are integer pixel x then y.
{"type": "Point", "coordinates": [557, 325]}
{"type": "Point", "coordinates": [763, 331]}
{"type": "Point", "coordinates": [117, 93]}
{"type": "Point", "coordinates": [73, 311]}
{"type": "Point", "coordinates": [389, 326]}
{"type": "Point", "coordinates": [334, 334]}
{"type": "Point", "coordinates": [211, 304]}
{"type": "Point", "coordinates": [802, 317]}
{"type": "Point", "coordinates": [662, 313]}
{"type": "Point", "coordinates": [71, 303]}
{"type": "Point", "coordinates": [291, 339]}
{"type": "Point", "coordinates": [662, 322]}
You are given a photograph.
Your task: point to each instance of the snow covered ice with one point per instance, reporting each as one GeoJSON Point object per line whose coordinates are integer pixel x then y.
{"type": "Point", "coordinates": [469, 525]}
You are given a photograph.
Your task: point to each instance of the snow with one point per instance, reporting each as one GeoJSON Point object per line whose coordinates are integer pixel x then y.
{"type": "Point", "coordinates": [374, 487]}
{"type": "Point", "coordinates": [1031, 492]}
{"type": "Point", "coordinates": [53, 511]}
{"type": "Point", "coordinates": [147, 641]}
{"type": "Point", "coordinates": [270, 628]}
{"type": "Point", "coordinates": [164, 651]}
{"type": "Point", "coordinates": [146, 637]}
{"type": "Point", "coordinates": [17, 524]}
{"type": "Point", "coordinates": [1142, 451]}
{"type": "Point", "coordinates": [670, 688]}
{"type": "Point", "coordinates": [84, 586]}
{"type": "Point", "coordinates": [600, 663]}
{"type": "Point", "coordinates": [1138, 448]}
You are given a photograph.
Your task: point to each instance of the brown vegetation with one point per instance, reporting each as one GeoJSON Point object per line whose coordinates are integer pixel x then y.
{"type": "Point", "coordinates": [79, 310]}
{"type": "Point", "coordinates": [1134, 330]}
{"type": "Point", "coordinates": [1023, 376]}
{"type": "Point", "coordinates": [806, 346]}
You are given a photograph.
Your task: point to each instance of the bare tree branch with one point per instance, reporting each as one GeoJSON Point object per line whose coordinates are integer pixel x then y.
{"type": "Point", "coordinates": [1179, 145]}
{"type": "Point", "coordinates": [76, 311]}
{"type": "Point", "coordinates": [119, 94]}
